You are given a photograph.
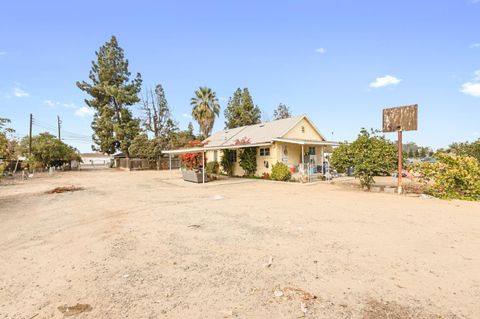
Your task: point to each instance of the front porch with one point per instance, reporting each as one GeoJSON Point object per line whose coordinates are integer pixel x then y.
{"type": "Point", "coordinates": [305, 159]}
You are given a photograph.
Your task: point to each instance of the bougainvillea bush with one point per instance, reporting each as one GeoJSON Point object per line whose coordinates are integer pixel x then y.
{"type": "Point", "coordinates": [451, 177]}
{"type": "Point", "coordinates": [193, 161]}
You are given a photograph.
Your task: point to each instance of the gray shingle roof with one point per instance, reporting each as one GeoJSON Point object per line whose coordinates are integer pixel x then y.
{"type": "Point", "coordinates": [257, 133]}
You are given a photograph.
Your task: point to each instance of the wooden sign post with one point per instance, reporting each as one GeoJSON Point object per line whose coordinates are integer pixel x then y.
{"type": "Point", "coordinates": [399, 119]}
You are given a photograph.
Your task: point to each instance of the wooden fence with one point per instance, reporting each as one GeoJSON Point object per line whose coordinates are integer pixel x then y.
{"type": "Point", "coordinates": [144, 164]}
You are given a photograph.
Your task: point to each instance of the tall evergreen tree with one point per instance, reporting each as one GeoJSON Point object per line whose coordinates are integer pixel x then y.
{"type": "Point", "coordinates": [282, 112]}
{"type": "Point", "coordinates": [112, 92]}
{"type": "Point", "coordinates": [241, 110]}
{"type": "Point", "coordinates": [190, 128]}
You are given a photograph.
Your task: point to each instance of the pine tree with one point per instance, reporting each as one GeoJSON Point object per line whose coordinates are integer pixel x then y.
{"type": "Point", "coordinates": [241, 110]}
{"type": "Point", "coordinates": [112, 92]}
{"type": "Point", "coordinates": [410, 153]}
{"type": "Point", "coordinates": [190, 129]}
{"type": "Point", "coordinates": [282, 112]}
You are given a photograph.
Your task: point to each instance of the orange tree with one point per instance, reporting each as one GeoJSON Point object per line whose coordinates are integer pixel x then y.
{"type": "Point", "coordinates": [370, 155]}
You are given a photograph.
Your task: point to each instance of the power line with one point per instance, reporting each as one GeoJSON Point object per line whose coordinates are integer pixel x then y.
{"type": "Point", "coordinates": [55, 129]}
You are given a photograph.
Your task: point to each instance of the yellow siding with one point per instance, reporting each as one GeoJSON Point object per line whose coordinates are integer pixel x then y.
{"type": "Point", "coordinates": [308, 134]}
{"type": "Point", "coordinates": [294, 151]}
{"type": "Point", "coordinates": [262, 161]}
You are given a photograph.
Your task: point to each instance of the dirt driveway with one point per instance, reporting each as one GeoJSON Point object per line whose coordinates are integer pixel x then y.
{"type": "Point", "coordinates": [148, 245]}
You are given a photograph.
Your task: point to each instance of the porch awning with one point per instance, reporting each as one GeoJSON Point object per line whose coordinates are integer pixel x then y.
{"type": "Point", "coordinates": [306, 142]}
{"type": "Point", "coordinates": [212, 148]}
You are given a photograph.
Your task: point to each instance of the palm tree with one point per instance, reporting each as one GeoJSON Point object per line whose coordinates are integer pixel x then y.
{"type": "Point", "coordinates": [205, 108]}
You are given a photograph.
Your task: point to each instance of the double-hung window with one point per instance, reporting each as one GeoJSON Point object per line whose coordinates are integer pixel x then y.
{"type": "Point", "coordinates": [265, 151]}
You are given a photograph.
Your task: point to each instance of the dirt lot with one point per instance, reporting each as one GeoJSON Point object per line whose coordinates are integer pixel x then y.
{"type": "Point", "coordinates": [148, 245]}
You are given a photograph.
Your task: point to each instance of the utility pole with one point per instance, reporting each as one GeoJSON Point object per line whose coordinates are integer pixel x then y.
{"type": "Point", "coordinates": [30, 135]}
{"type": "Point", "coordinates": [59, 123]}
{"type": "Point", "coordinates": [400, 158]}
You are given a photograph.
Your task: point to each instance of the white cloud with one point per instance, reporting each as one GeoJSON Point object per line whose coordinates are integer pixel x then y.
{"type": "Point", "coordinates": [18, 92]}
{"type": "Point", "coordinates": [50, 103]}
{"type": "Point", "coordinates": [81, 112]}
{"type": "Point", "coordinates": [472, 88]}
{"type": "Point", "coordinates": [188, 116]}
{"type": "Point", "coordinates": [69, 105]}
{"type": "Point", "coordinates": [3, 53]}
{"type": "Point", "coordinates": [476, 75]}
{"type": "Point", "coordinates": [222, 98]}
{"type": "Point", "coordinates": [475, 45]}
{"type": "Point", "coordinates": [53, 103]}
{"type": "Point", "coordinates": [385, 81]}
{"type": "Point", "coordinates": [321, 50]}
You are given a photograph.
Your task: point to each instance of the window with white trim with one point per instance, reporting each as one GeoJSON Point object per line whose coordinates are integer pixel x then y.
{"type": "Point", "coordinates": [265, 151]}
{"type": "Point", "coordinates": [311, 150]}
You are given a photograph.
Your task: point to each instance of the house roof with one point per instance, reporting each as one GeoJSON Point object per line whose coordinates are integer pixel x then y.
{"type": "Point", "coordinates": [93, 155]}
{"type": "Point", "coordinates": [257, 135]}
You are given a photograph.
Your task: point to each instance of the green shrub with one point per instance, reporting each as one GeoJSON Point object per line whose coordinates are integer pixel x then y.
{"type": "Point", "coordinates": [280, 172]}
{"type": "Point", "coordinates": [213, 168]}
{"type": "Point", "coordinates": [451, 177]}
{"type": "Point", "coordinates": [248, 160]}
{"type": "Point", "coordinates": [227, 161]}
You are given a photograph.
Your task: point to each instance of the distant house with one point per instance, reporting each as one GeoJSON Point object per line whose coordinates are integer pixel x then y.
{"type": "Point", "coordinates": [95, 159]}
{"type": "Point", "coordinates": [294, 141]}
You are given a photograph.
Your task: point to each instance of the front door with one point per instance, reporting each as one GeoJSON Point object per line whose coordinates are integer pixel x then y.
{"type": "Point", "coordinates": [285, 154]}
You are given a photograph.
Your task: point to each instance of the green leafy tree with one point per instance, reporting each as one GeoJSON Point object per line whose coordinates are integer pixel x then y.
{"type": "Point", "coordinates": [182, 138]}
{"type": "Point", "coordinates": [48, 150]}
{"type": "Point", "coordinates": [282, 112]}
{"type": "Point", "coordinates": [342, 157]}
{"type": "Point", "coordinates": [5, 142]}
{"type": "Point", "coordinates": [158, 118]}
{"type": "Point", "coordinates": [241, 110]}
{"type": "Point", "coordinates": [112, 92]}
{"type": "Point", "coordinates": [410, 154]}
{"type": "Point", "coordinates": [370, 155]}
{"type": "Point", "coordinates": [466, 149]}
{"type": "Point", "coordinates": [204, 109]}
{"type": "Point", "coordinates": [423, 152]}
{"type": "Point", "coordinates": [143, 147]}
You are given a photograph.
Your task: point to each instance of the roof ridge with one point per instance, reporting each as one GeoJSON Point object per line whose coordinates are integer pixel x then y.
{"type": "Point", "coordinates": [244, 126]}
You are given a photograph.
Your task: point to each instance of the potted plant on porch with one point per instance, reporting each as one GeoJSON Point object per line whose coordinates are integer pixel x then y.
{"type": "Point", "coordinates": [192, 167]}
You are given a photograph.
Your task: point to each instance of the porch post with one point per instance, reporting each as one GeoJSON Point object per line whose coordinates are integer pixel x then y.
{"type": "Point", "coordinates": [303, 161]}
{"type": "Point", "coordinates": [322, 158]}
{"type": "Point", "coordinates": [170, 161]}
{"type": "Point", "coordinates": [203, 167]}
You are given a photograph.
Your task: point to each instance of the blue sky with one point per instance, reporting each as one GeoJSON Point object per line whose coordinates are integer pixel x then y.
{"type": "Point", "coordinates": [340, 62]}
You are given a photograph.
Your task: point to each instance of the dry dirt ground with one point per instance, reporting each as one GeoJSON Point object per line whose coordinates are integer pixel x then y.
{"type": "Point", "coordinates": [148, 245]}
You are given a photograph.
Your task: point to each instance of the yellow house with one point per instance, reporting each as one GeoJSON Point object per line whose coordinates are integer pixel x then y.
{"type": "Point", "coordinates": [294, 141]}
